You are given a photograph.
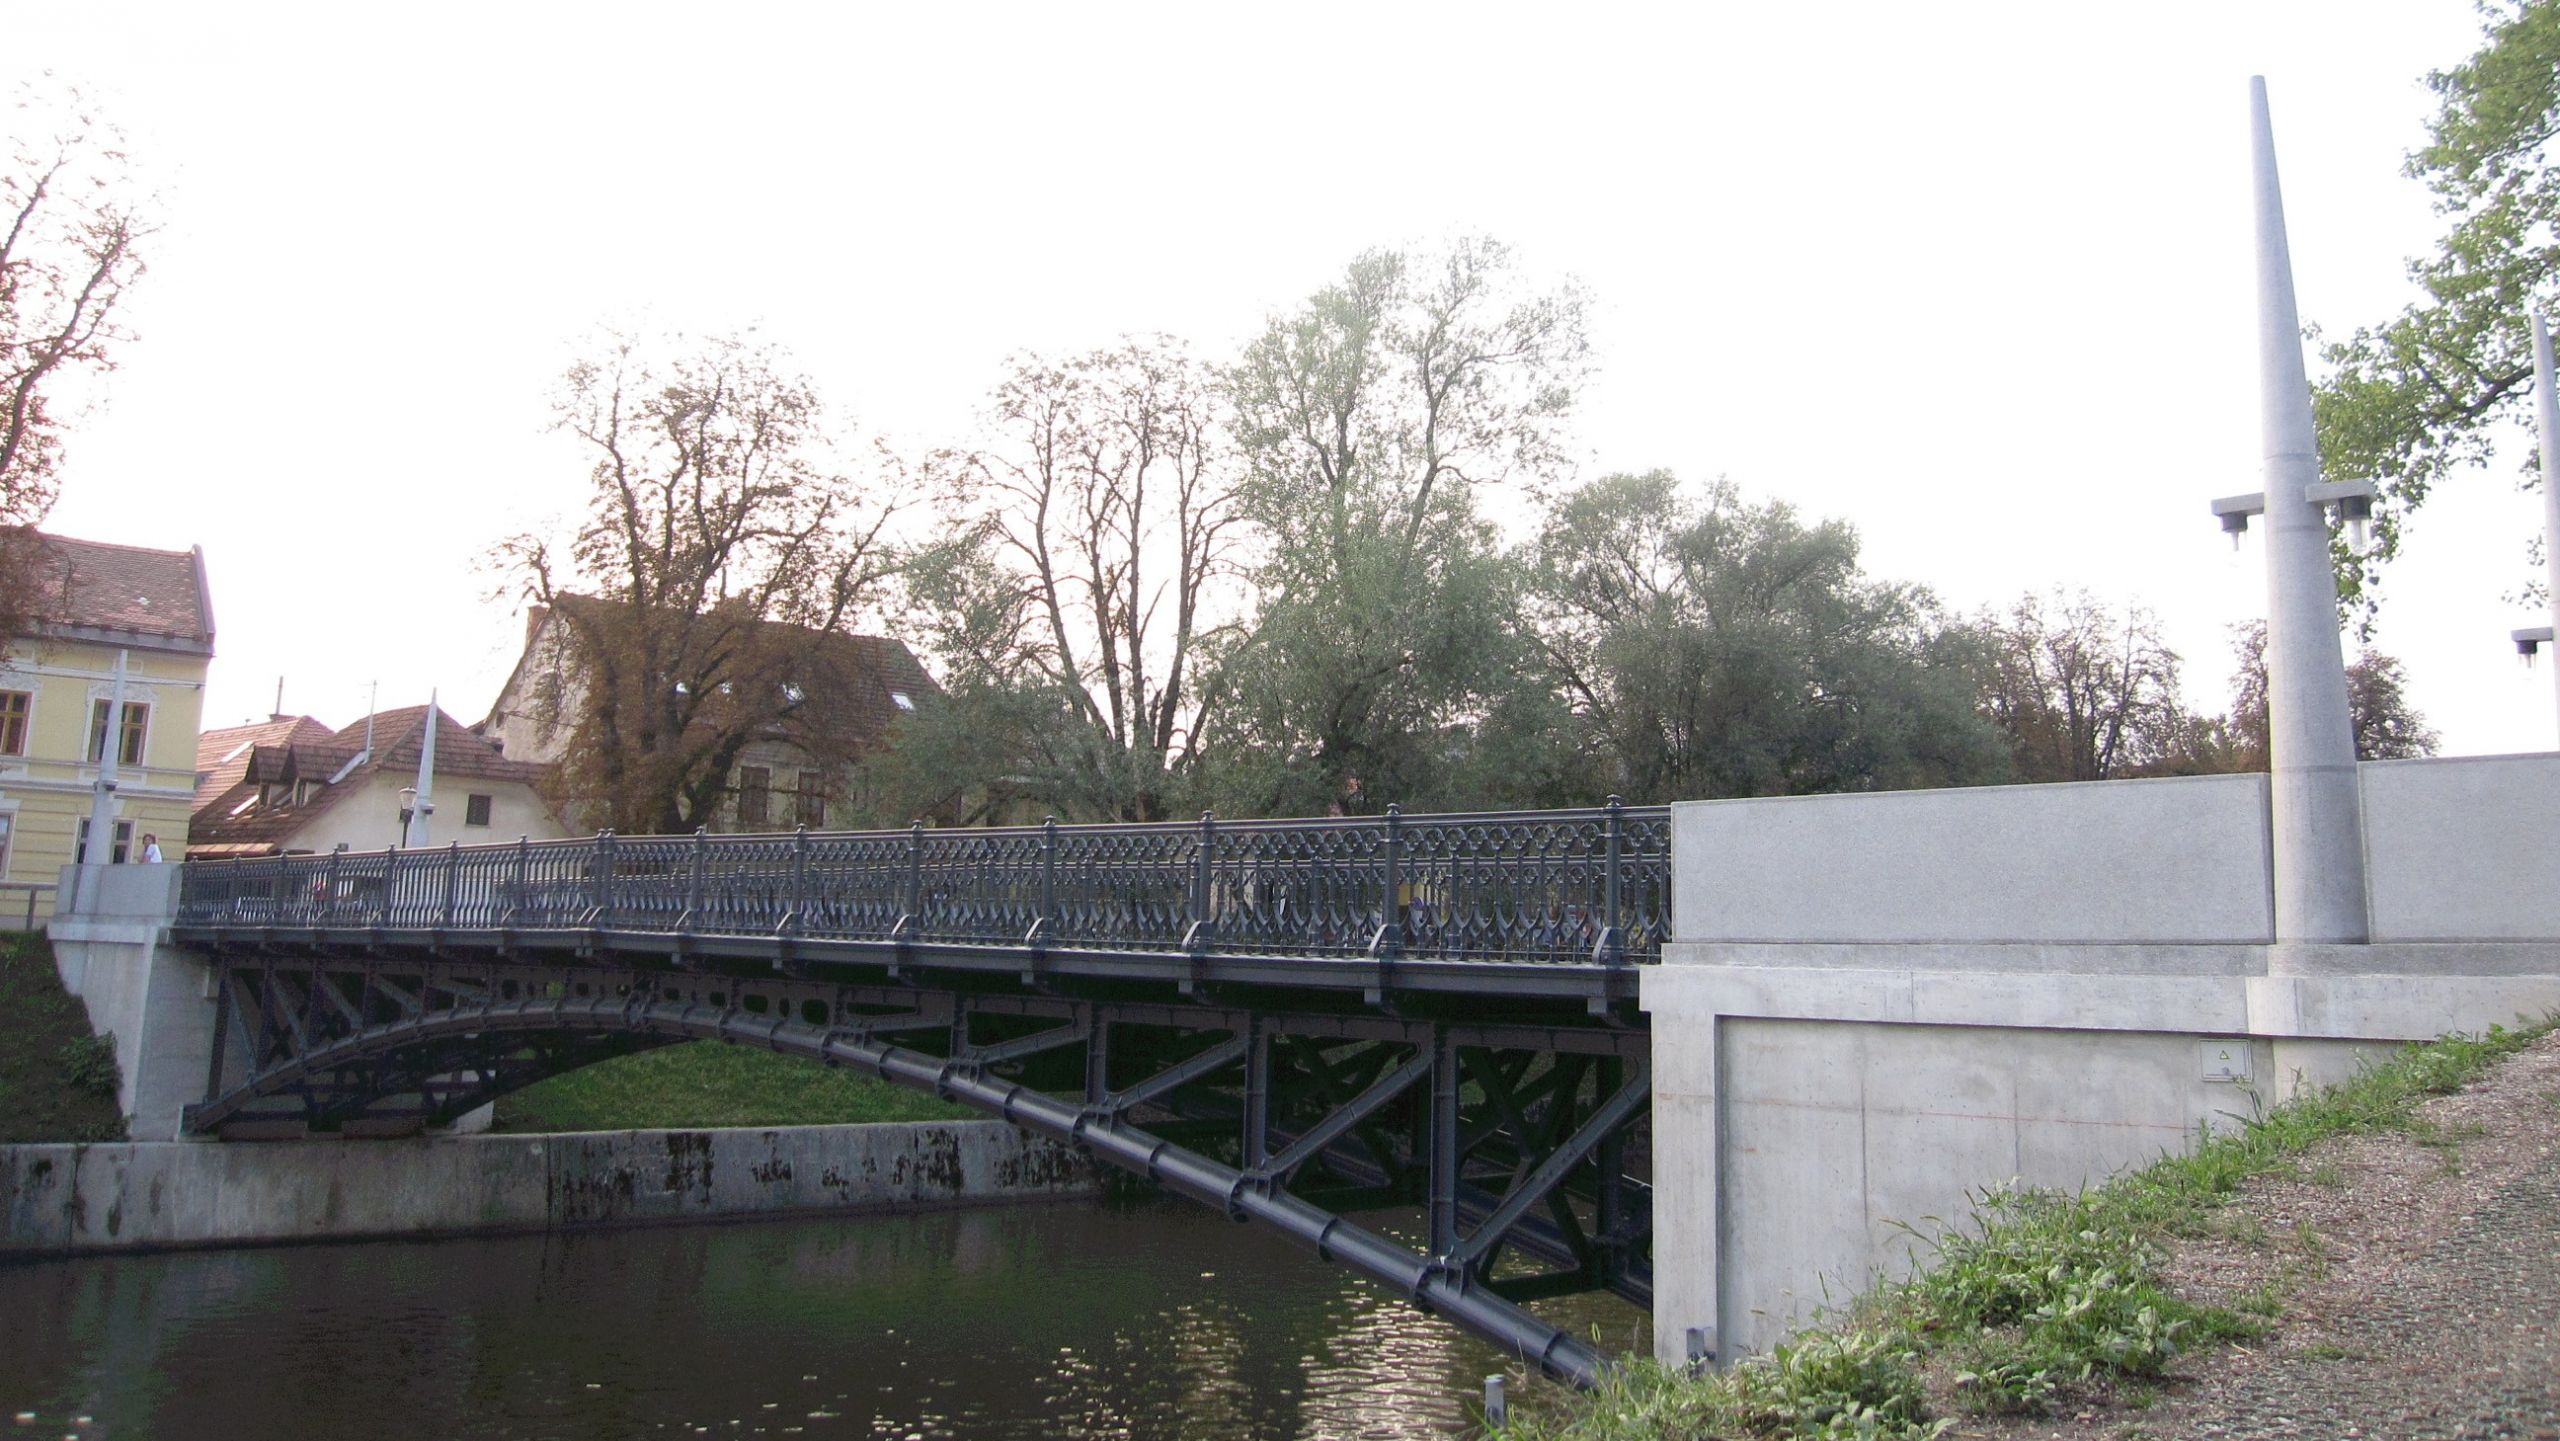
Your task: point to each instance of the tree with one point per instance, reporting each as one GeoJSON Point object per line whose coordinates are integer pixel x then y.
{"type": "Point", "coordinates": [2428, 393]}
{"type": "Point", "coordinates": [70, 249]}
{"type": "Point", "coordinates": [2387, 726]}
{"type": "Point", "coordinates": [702, 596]}
{"type": "Point", "coordinates": [1102, 520]}
{"type": "Point", "coordinates": [2080, 693]}
{"type": "Point", "coordinates": [1712, 647]}
{"type": "Point", "coordinates": [1368, 420]}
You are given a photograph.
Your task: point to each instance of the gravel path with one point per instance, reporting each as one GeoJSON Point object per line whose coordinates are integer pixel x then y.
{"type": "Point", "coordinates": [2421, 1277]}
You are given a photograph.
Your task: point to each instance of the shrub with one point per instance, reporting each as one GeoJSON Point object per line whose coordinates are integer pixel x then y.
{"type": "Point", "coordinates": [88, 1066]}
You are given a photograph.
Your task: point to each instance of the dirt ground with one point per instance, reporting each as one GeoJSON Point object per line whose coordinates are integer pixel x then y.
{"type": "Point", "coordinates": [2421, 1275]}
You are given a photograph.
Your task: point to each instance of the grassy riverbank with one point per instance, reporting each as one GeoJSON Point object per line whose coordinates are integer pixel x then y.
{"type": "Point", "coordinates": [2057, 1297]}
{"type": "Point", "coordinates": [57, 1081]}
{"type": "Point", "coordinates": [707, 1083]}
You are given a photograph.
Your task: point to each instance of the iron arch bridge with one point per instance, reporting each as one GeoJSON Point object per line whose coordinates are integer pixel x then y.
{"type": "Point", "coordinates": [1288, 1020]}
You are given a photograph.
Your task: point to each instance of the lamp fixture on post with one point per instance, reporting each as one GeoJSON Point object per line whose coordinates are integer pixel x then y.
{"type": "Point", "coordinates": [2530, 640]}
{"type": "Point", "coordinates": [2349, 502]}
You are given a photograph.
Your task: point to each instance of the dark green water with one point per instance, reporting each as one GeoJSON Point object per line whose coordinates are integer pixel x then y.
{"type": "Point", "coordinates": [1075, 1320]}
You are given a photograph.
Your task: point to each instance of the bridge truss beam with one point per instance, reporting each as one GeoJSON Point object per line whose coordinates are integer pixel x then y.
{"type": "Point", "coordinates": [1521, 1143]}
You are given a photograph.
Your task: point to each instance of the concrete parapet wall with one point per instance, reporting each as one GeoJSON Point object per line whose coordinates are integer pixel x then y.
{"type": "Point", "coordinates": [2463, 849]}
{"type": "Point", "coordinates": [2180, 861]}
{"type": "Point", "coordinates": [2456, 850]}
{"type": "Point", "coordinates": [75, 1198]}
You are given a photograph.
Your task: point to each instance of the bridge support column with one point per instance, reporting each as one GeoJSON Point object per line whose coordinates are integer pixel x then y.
{"type": "Point", "coordinates": [154, 999]}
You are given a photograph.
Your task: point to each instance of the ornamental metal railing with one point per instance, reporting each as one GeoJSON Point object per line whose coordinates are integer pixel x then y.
{"type": "Point", "coordinates": [1580, 885]}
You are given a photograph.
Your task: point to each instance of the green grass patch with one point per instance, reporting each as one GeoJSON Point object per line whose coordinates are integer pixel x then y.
{"type": "Point", "coordinates": [2043, 1295]}
{"type": "Point", "coordinates": [709, 1083]}
{"type": "Point", "coordinates": [57, 1081]}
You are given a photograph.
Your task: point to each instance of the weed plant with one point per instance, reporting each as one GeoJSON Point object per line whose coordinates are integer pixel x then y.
{"type": "Point", "coordinates": [2038, 1294]}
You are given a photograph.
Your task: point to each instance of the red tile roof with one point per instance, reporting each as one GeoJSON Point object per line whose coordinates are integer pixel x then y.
{"type": "Point", "coordinates": [122, 587]}
{"type": "Point", "coordinates": [222, 754]}
{"type": "Point", "coordinates": [228, 820]}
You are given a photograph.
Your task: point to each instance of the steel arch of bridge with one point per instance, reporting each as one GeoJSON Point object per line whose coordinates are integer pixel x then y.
{"type": "Point", "coordinates": [1514, 1138]}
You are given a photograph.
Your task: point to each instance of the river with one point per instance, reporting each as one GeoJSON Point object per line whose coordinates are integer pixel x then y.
{"type": "Point", "coordinates": [1083, 1319]}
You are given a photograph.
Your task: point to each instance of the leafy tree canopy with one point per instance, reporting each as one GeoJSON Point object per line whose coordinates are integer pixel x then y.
{"type": "Point", "coordinates": [2429, 393]}
{"type": "Point", "coordinates": [71, 235]}
{"type": "Point", "coordinates": [702, 597]}
{"type": "Point", "coordinates": [1715, 647]}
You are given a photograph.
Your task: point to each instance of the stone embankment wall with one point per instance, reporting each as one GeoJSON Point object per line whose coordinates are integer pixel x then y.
{"type": "Point", "coordinates": [128, 1195]}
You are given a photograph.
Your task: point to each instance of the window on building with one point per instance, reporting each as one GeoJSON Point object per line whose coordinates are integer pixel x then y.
{"type": "Point", "coordinates": [902, 700]}
{"type": "Point", "coordinates": [14, 708]}
{"type": "Point", "coordinates": [810, 808]}
{"type": "Point", "coordinates": [137, 720]}
{"type": "Point", "coordinates": [8, 823]}
{"type": "Point", "coordinates": [475, 811]}
{"type": "Point", "coordinates": [118, 854]}
{"type": "Point", "coordinates": [755, 796]}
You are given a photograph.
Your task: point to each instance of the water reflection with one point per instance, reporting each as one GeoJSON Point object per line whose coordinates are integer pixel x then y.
{"type": "Point", "coordinates": [1077, 1320]}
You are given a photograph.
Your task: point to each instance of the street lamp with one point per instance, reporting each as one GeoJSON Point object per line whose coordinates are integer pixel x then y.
{"type": "Point", "coordinates": [2315, 825]}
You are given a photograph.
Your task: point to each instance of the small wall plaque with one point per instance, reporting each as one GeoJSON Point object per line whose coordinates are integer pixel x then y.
{"type": "Point", "coordinates": [2226, 1060]}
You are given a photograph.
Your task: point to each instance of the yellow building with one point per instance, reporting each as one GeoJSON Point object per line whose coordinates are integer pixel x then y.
{"type": "Point", "coordinates": [92, 602]}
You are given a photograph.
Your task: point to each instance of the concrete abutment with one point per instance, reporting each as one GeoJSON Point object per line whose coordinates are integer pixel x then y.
{"type": "Point", "coordinates": [1878, 1005]}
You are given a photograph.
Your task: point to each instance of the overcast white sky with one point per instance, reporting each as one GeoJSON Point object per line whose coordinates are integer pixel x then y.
{"type": "Point", "coordinates": [1976, 277]}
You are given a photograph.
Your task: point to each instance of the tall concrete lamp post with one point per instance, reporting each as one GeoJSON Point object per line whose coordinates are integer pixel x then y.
{"type": "Point", "coordinates": [2316, 821]}
{"type": "Point", "coordinates": [419, 804]}
{"type": "Point", "coordinates": [2546, 421]}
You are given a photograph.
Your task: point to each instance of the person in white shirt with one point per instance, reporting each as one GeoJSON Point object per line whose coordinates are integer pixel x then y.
{"type": "Point", "coordinates": [150, 849]}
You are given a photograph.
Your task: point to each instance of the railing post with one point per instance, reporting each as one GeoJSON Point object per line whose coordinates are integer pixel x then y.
{"type": "Point", "coordinates": [915, 872]}
{"type": "Point", "coordinates": [1610, 947]}
{"type": "Point", "coordinates": [386, 900]}
{"type": "Point", "coordinates": [452, 880]}
{"type": "Point", "coordinates": [1390, 938]}
{"type": "Point", "coordinates": [693, 892]}
{"type": "Point", "coordinates": [1203, 933]}
{"type": "Point", "coordinates": [524, 879]}
{"type": "Point", "coordinates": [792, 919]}
{"type": "Point", "coordinates": [328, 880]}
{"type": "Point", "coordinates": [603, 873]}
{"type": "Point", "coordinates": [1048, 870]}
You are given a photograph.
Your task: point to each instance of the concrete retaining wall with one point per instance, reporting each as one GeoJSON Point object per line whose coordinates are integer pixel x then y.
{"type": "Point", "coordinates": [72, 1198]}
{"type": "Point", "coordinates": [1843, 1147]}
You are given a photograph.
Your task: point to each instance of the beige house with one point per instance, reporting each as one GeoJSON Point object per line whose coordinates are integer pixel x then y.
{"type": "Point", "coordinates": [92, 603]}
{"type": "Point", "coordinates": [869, 681]}
{"type": "Point", "coordinates": [291, 785]}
